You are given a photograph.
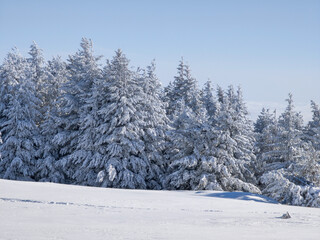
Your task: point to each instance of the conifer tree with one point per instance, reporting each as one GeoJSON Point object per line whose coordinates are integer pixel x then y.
{"type": "Point", "coordinates": [184, 87]}
{"type": "Point", "coordinates": [155, 126]}
{"type": "Point", "coordinates": [215, 158]}
{"type": "Point", "coordinates": [191, 159]}
{"type": "Point", "coordinates": [312, 131]}
{"type": "Point", "coordinates": [234, 154]}
{"type": "Point", "coordinates": [209, 102]}
{"type": "Point", "coordinates": [21, 137]}
{"type": "Point", "coordinates": [267, 141]}
{"type": "Point", "coordinates": [56, 76]}
{"type": "Point", "coordinates": [37, 70]}
{"type": "Point", "coordinates": [288, 177]}
{"type": "Point", "coordinates": [264, 120]}
{"type": "Point", "coordinates": [119, 158]}
{"type": "Point", "coordinates": [74, 109]}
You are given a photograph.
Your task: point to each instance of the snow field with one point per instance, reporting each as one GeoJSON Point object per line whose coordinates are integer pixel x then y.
{"type": "Point", "coordinates": [54, 211]}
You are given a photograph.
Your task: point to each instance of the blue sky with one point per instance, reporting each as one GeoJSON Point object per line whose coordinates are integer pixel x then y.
{"type": "Point", "coordinates": [269, 47]}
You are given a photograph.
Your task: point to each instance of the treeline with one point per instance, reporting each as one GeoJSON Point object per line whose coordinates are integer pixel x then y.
{"type": "Point", "coordinates": [80, 122]}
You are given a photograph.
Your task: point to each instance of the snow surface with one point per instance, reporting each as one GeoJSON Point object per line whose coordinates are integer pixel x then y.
{"type": "Point", "coordinates": [31, 210]}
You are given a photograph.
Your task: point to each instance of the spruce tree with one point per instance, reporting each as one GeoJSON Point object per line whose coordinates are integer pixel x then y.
{"type": "Point", "coordinates": [74, 110]}
{"type": "Point", "coordinates": [215, 158]}
{"type": "Point", "coordinates": [312, 131]}
{"type": "Point", "coordinates": [209, 102]}
{"type": "Point", "coordinates": [155, 126]}
{"type": "Point", "coordinates": [21, 137]}
{"type": "Point", "coordinates": [287, 178]}
{"type": "Point", "coordinates": [56, 76]}
{"type": "Point", "coordinates": [191, 159]}
{"type": "Point", "coordinates": [119, 158]}
{"type": "Point", "coordinates": [234, 152]}
{"type": "Point", "coordinates": [267, 142]}
{"type": "Point", "coordinates": [37, 70]}
{"type": "Point", "coordinates": [183, 87]}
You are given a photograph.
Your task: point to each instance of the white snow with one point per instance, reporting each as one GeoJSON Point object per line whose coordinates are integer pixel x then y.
{"type": "Point", "coordinates": [34, 211]}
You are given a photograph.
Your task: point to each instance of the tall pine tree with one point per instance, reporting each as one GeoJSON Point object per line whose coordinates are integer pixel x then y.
{"type": "Point", "coordinates": [74, 109]}
{"type": "Point", "coordinates": [21, 137]}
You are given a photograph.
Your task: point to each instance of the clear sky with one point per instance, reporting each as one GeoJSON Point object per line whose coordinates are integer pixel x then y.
{"type": "Point", "coordinates": [268, 47]}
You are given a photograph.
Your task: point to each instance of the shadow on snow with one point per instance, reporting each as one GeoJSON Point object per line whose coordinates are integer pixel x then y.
{"type": "Point", "coordinates": [240, 196]}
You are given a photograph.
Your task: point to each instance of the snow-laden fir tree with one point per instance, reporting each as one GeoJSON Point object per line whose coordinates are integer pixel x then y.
{"type": "Point", "coordinates": [267, 141]}
{"type": "Point", "coordinates": [312, 131]}
{"type": "Point", "coordinates": [234, 148]}
{"type": "Point", "coordinates": [37, 70]}
{"type": "Point", "coordinates": [118, 158]}
{"type": "Point", "coordinates": [209, 102]}
{"type": "Point", "coordinates": [280, 188]}
{"type": "Point", "coordinates": [37, 67]}
{"type": "Point", "coordinates": [290, 177]}
{"type": "Point", "coordinates": [191, 159]}
{"type": "Point", "coordinates": [21, 137]}
{"type": "Point", "coordinates": [47, 169]}
{"type": "Point", "coordinates": [265, 118]}
{"type": "Point", "coordinates": [281, 139]}
{"type": "Point", "coordinates": [155, 126]}
{"type": "Point", "coordinates": [10, 71]}
{"type": "Point", "coordinates": [74, 109]}
{"type": "Point", "coordinates": [214, 158]}
{"type": "Point", "coordinates": [220, 94]}
{"type": "Point", "coordinates": [291, 124]}
{"type": "Point", "coordinates": [183, 87]}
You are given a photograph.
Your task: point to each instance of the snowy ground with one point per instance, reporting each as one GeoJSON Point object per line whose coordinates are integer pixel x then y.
{"type": "Point", "coordinates": [52, 211]}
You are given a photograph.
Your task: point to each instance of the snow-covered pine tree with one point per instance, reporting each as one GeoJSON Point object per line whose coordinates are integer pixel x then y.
{"type": "Point", "coordinates": [312, 131]}
{"type": "Point", "coordinates": [38, 77]}
{"type": "Point", "coordinates": [209, 102]}
{"type": "Point", "coordinates": [234, 147]}
{"type": "Point", "coordinates": [184, 87]}
{"type": "Point", "coordinates": [167, 97]}
{"type": "Point", "coordinates": [56, 75]}
{"type": "Point", "coordinates": [282, 139]}
{"type": "Point", "coordinates": [220, 94]}
{"type": "Point", "coordinates": [155, 126]}
{"type": "Point", "coordinates": [288, 177]}
{"type": "Point", "coordinates": [91, 74]}
{"type": "Point", "coordinates": [291, 124]}
{"type": "Point", "coordinates": [265, 118]}
{"type": "Point", "coordinates": [37, 67]}
{"type": "Point", "coordinates": [10, 71]}
{"type": "Point", "coordinates": [21, 137]}
{"type": "Point", "coordinates": [75, 110]}
{"type": "Point", "coordinates": [119, 158]}
{"type": "Point", "coordinates": [191, 161]}
{"type": "Point", "coordinates": [215, 158]}
{"type": "Point", "coordinates": [267, 141]}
